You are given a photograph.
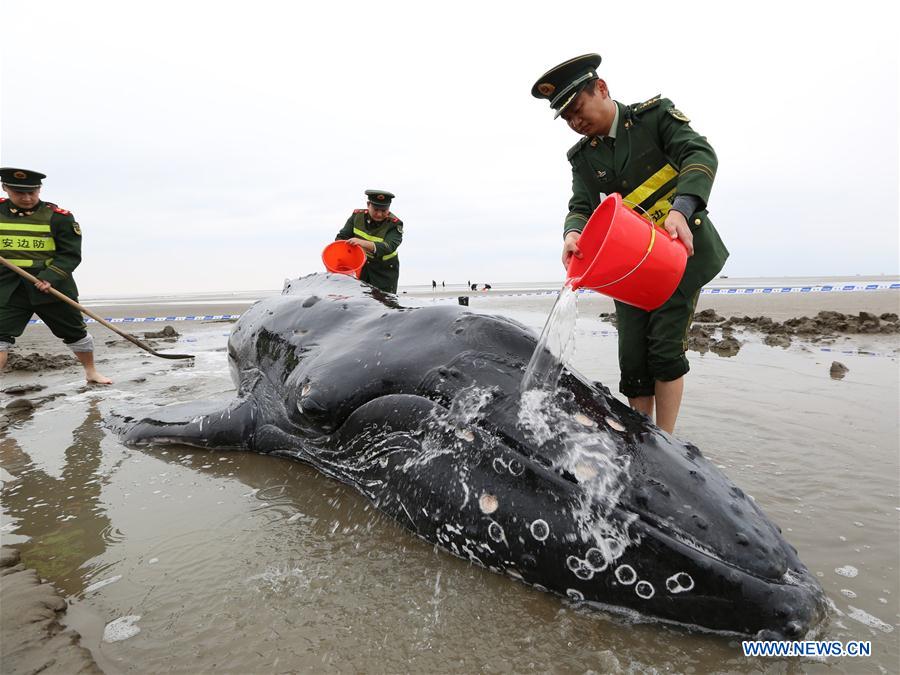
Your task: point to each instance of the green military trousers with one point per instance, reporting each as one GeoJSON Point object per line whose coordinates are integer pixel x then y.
{"type": "Point", "coordinates": [63, 320]}
{"type": "Point", "coordinates": [383, 275]}
{"type": "Point", "coordinates": [652, 345]}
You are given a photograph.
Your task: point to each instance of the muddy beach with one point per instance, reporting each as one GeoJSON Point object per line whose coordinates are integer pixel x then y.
{"type": "Point", "coordinates": [204, 560]}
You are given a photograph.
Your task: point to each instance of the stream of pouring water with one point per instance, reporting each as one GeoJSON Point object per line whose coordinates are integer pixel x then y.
{"type": "Point", "coordinates": [556, 345]}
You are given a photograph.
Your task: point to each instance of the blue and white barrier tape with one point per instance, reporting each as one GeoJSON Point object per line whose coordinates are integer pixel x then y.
{"type": "Point", "coordinates": [737, 290]}
{"type": "Point", "coordinates": [834, 288]}
{"type": "Point", "coordinates": [734, 290]}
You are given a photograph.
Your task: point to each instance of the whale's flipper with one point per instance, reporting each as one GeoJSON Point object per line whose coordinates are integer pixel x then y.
{"type": "Point", "coordinates": [205, 424]}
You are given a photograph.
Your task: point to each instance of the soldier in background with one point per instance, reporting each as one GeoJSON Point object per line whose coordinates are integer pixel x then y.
{"type": "Point", "coordinates": [379, 233]}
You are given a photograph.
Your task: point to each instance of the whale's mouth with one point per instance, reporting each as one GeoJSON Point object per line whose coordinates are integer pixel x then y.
{"type": "Point", "coordinates": [793, 603]}
{"type": "Point", "coordinates": [672, 532]}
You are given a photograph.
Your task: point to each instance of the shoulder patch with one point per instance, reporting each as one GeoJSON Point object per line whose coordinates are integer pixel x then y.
{"type": "Point", "coordinates": [575, 149]}
{"type": "Point", "coordinates": [76, 228]}
{"type": "Point", "coordinates": [677, 114]}
{"type": "Point", "coordinates": [647, 105]}
{"type": "Point", "coordinates": [56, 209]}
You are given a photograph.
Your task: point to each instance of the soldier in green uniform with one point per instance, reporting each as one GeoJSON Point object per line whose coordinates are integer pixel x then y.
{"type": "Point", "coordinates": [44, 240]}
{"type": "Point", "coordinates": [379, 232]}
{"type": "Point", "coordinates": [648, 153]}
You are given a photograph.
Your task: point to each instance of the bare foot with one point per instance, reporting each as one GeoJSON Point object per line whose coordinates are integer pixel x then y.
{"type": "Point", "coordinates": [96, 378]}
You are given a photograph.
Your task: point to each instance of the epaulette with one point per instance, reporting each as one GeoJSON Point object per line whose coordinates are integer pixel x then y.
{"type": "Point", "coordinates": [2, 199]}
{"type": "Point", "coordinates": [647, 105]}
{"type": "Point", "coordinates": [360, 210]}
{"type": "Point", "coordinates": [56, 209]}
{"type": "Point", "coordinates": [576, 148]}
{"type": "Point", "coordinates": [395, 219]}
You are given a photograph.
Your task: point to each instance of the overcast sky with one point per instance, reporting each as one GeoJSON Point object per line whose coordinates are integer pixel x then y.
{"type": "Point", "coordinates": [216, 145]}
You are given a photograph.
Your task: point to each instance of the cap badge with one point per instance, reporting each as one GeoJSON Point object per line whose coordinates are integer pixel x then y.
{"type": "Point", "coordinates": [381, 197]}
{"type": "Point", "coordinates": [20, 174]}
{"type": "Point", "coordinates": [546, 88]}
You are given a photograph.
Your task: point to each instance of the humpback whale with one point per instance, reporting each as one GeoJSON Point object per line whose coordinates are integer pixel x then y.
{"type": "Point", "coordinates": [421, 410]}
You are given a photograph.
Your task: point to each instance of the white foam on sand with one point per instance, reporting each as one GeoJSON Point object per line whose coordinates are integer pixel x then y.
{"type": "Point", "coordinates": [867, 619]}
{"type": "Point", "coordinates": [103, 582]}
{"type": "Point", "coordinates": [122, 628]}
{"type": "Point", "coordinates": [847, 571]}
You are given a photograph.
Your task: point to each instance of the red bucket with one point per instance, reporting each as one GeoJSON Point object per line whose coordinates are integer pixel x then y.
{"type": "Point", "coordinates": [341, 257]}
{"type": "Point", "coordinates": [627, 258]}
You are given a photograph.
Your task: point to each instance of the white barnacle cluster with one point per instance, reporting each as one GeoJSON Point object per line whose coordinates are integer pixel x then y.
{"type": "Point", "coordinates": [679, 583]}
{"type": "Point", "coordinates": [626, 575]}
{"type": "Point", "coordinates": [595, 559]}
{"type": "Point", "coordinates": [599, 558]}
{"type": "Point", "coordinates": [513, 466]}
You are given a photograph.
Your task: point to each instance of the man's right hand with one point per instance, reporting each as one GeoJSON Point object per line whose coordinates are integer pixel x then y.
{"type": "Point", "coordinates": [570, 247]}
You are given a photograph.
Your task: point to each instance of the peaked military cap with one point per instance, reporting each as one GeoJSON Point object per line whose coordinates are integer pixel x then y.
{"type": "Point", "coordinates": [561, 84]}
{"type": "Point", "coordinates": [380, 198]}
{"type": "Point", "coordinates": [21, 179]}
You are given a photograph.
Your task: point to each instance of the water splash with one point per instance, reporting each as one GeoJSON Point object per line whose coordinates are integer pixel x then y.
{"type": "Point", "coordinates": [588, 451]}
{"type": "Point", "coordinates": [556, 345]}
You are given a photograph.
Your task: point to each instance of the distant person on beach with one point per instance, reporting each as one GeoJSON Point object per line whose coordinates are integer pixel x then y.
{"type": "Point", "coordinates": [45, 241]}
{"type": "Point", "coordinates": [649, 153]}
{"type": "Point", "coordinates": [474, 287]}
{"type": "Point", "coordinates": [433, 284]}
{"type": "Point", "coordinates": [379, 233]}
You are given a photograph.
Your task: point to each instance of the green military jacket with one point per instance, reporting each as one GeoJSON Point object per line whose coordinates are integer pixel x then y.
{"type": "Point", "coordinates": [44, 241]}
{"type": "Point", "coordinates": [657, 156]}
{"type": "Point", "coordinates": [382, 268]}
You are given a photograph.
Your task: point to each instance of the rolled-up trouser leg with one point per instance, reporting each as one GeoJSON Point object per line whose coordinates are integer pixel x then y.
{"type": "Point", "coordinates": [632, 324]}
{"type": "Point", "coordinates": [85, 344]}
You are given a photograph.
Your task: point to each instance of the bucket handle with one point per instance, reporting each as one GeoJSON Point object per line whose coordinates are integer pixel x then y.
{"type": "Point", "coordinates": [641, 262]}
{"type": "Point", "coordinates": [649, 246]}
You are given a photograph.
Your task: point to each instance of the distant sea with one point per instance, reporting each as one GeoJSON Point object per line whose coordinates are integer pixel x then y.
{"type": "Point", "coordinates": [245, 297]}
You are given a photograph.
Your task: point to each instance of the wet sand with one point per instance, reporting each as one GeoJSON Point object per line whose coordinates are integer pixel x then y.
{"type": "Point", "coordinates": [244, 563]}
{"type": "Point", "coordinates": [32, 639]}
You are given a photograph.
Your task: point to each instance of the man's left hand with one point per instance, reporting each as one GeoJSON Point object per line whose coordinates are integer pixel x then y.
{"type": "Point", "coordinates": [43, 286]}
{"type": "Point", "coordinates": [677, 227]}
